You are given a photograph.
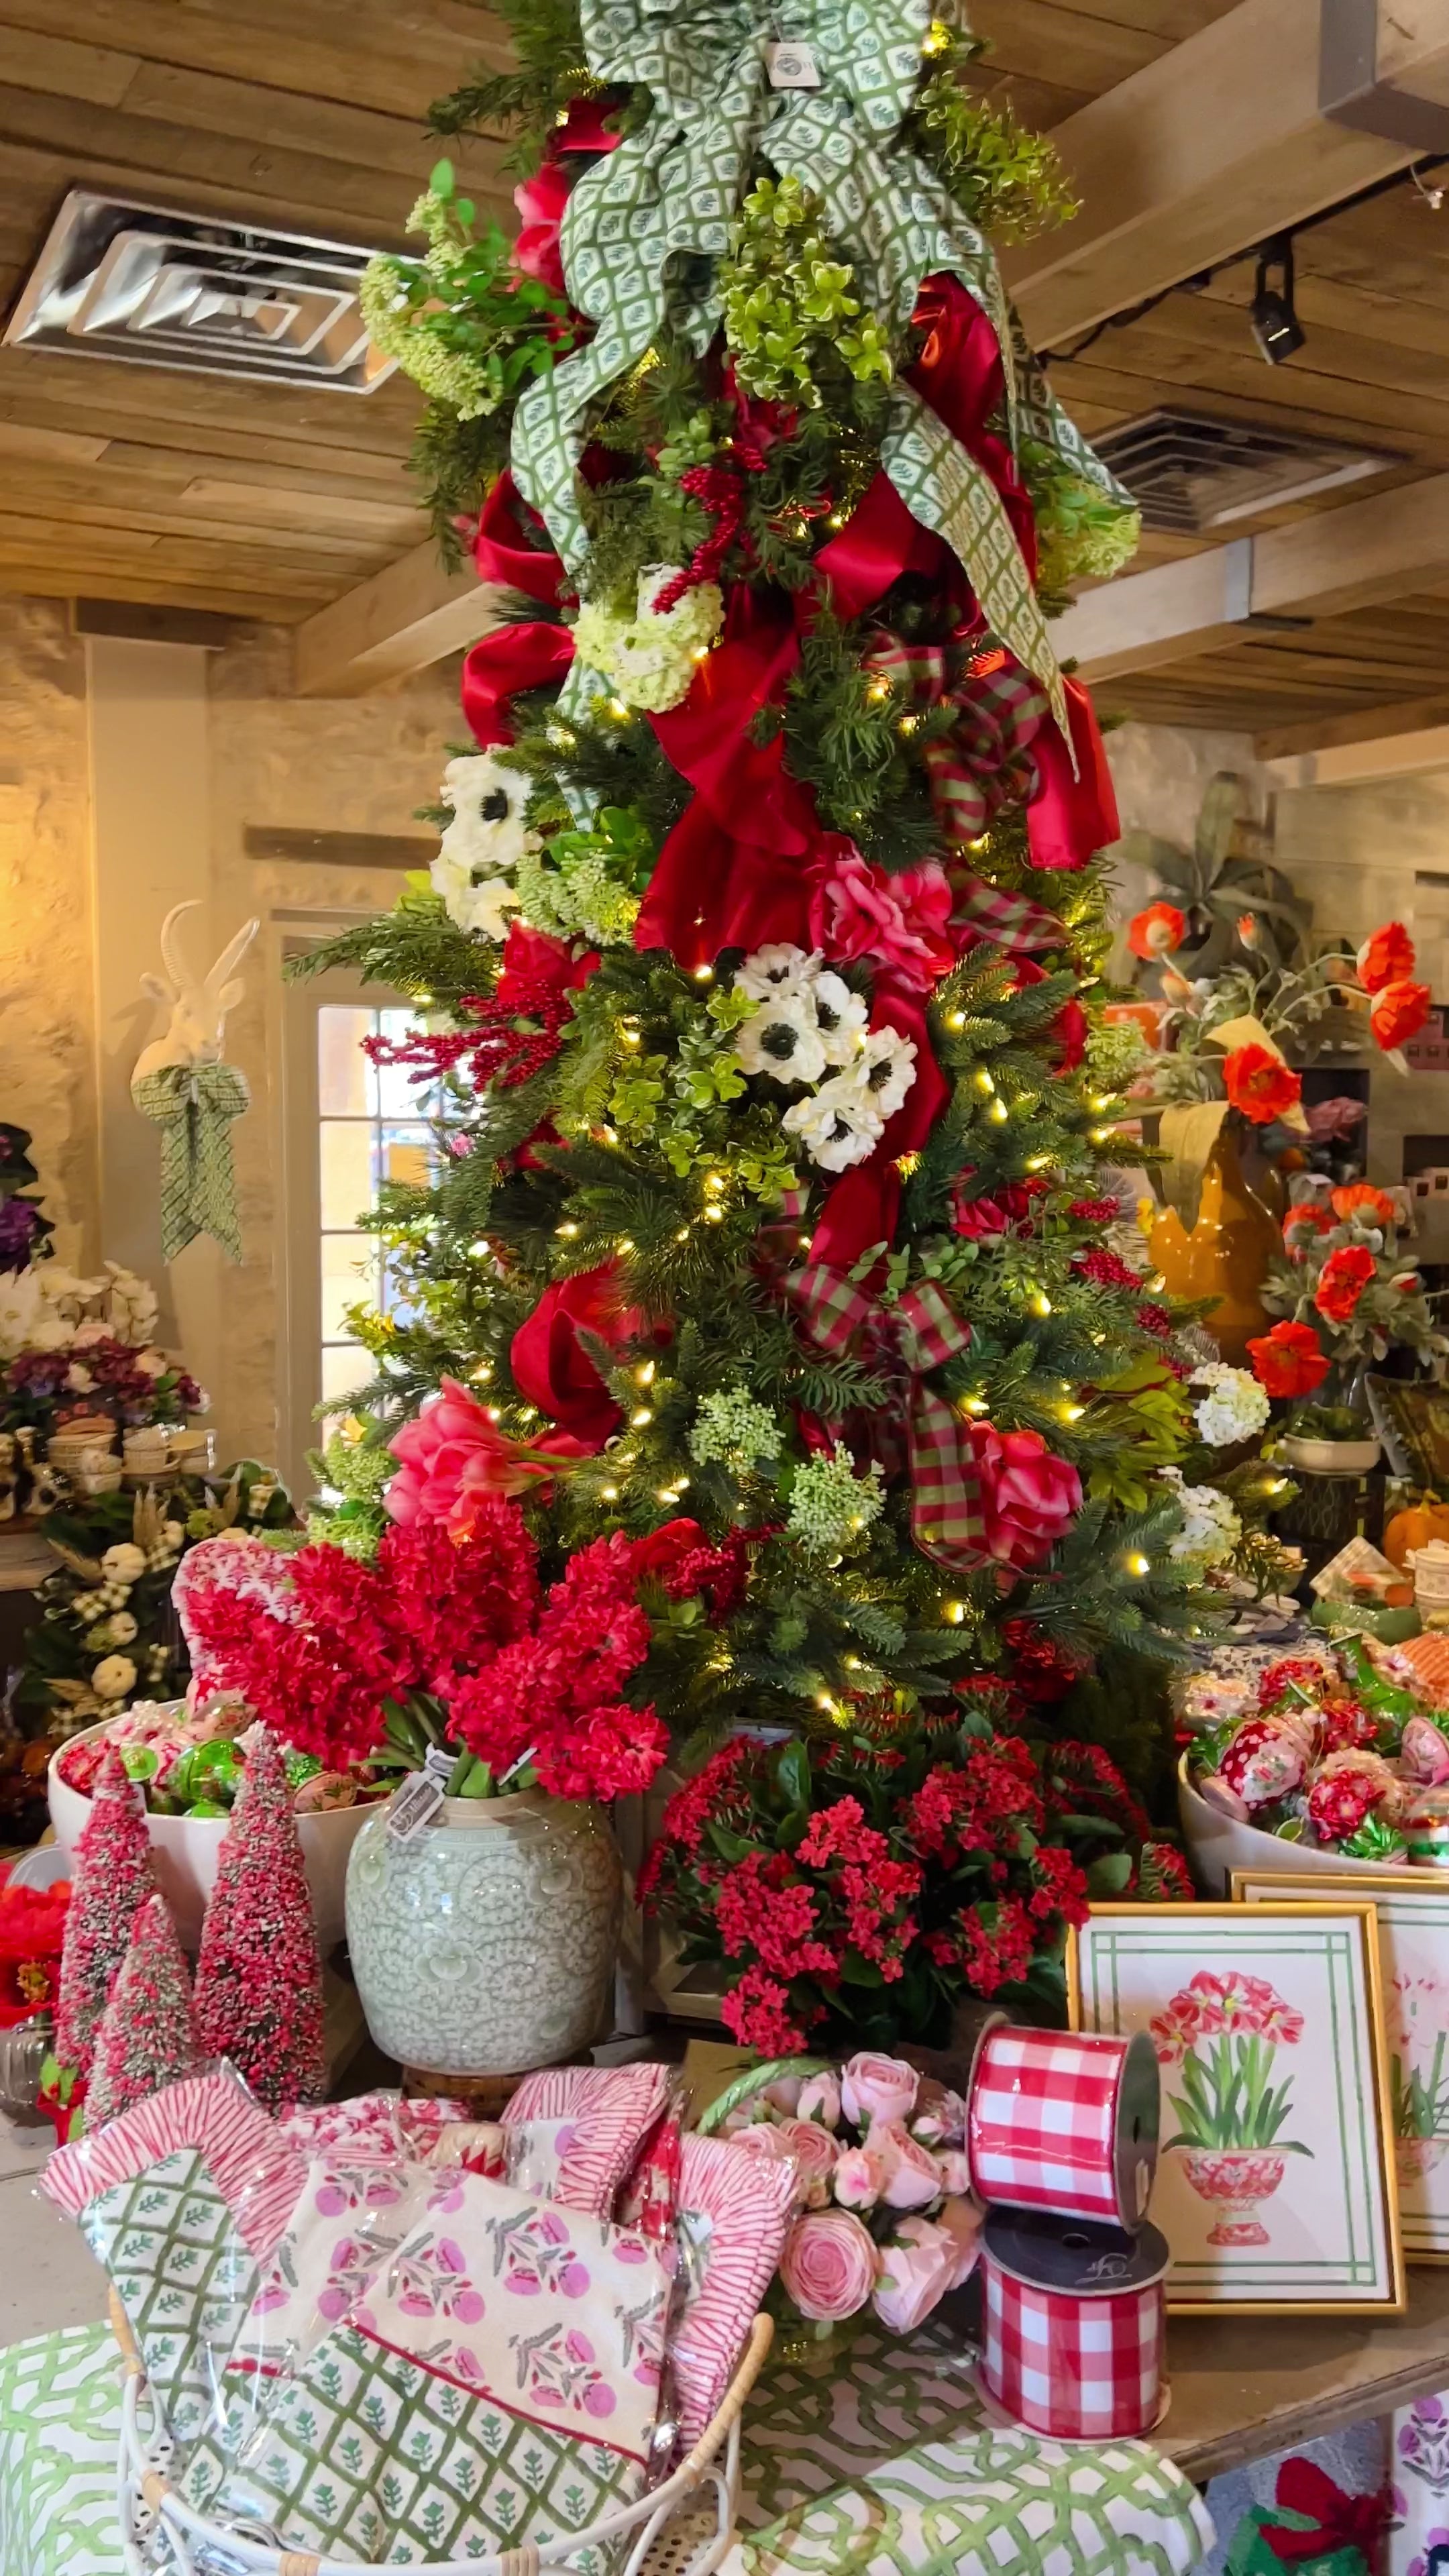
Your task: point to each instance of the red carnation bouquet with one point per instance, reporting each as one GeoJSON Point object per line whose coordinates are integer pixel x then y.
{"type": "Point", "coordinates": [856, 1885]}
{"type": "Point", "coordinates": [451, 1642]}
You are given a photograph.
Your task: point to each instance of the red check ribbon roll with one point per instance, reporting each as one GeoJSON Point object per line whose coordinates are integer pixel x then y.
{"type": "Point", "coordinates": [916, 1335]}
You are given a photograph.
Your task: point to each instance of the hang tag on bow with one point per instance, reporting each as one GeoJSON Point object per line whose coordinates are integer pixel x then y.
{"type": "Point", "coordinates": [413, 1807]}
{"type": "Point", "coordinates": [791, 65]}
{"type": "Point", "coordinates": [438, 1764]}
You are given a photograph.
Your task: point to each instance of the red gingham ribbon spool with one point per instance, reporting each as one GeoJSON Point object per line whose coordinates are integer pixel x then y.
{"type": "Point", "coordinates": [1065, 2121]}
{"type": "Point", "coordinates": [1073, 2326]}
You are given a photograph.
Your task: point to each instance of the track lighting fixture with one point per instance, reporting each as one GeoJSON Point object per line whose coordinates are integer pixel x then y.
{"type": "Point", "coordinates": [1276, 326]}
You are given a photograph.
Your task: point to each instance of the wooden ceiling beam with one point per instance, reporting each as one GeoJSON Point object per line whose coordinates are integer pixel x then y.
{"type": "Point", "coordinates": [1324, 566]}
{"type": "Point", "coordinates": [405, 617]}
{"type": "Point", "coordinates": [1360, 764]}
{"type": "Point", "coordinates": [1207, 151]}
{"type": "Point", "coordinates": [1347, 733]}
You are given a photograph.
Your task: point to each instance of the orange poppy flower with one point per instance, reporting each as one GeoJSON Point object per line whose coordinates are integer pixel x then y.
{"type": "Point", "coordinates": [1361, 1199]}
{"type": "Point", "coordinates": [1288, 1361]}
{"type": "Point", "coordinates": [1399, 1012]}
{"type": "Point", "coordinates": [1260, 1083]}
{"type": "Point", "coordinates": [1342, 1281]}
{"type": "Point", "coordinates": [1386, 958]}
{"type": "Point", "coordinates": [1153, 932]}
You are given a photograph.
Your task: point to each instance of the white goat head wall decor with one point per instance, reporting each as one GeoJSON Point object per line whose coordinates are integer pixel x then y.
{"type": "Point", "coordinates": [198, 1004]}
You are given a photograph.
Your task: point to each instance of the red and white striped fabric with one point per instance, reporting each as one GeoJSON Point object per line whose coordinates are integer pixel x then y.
{"type": "Point", "coordinates": [1043, 2128]}
{"type": "Point", "coordinates": [574, 2131]}
{"type": "Point", "coordinates": [734, 2211]}
{"type": "Point", "coordinates": [258, 2172]}
{"type": "Point", "coordinates": [1078, 2369]}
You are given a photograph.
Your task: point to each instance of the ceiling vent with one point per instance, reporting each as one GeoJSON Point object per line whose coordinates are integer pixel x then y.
{"type": "Point", "coordinates": [1190, 475]}
{"type": "Point", "coordinates": [120, 279]}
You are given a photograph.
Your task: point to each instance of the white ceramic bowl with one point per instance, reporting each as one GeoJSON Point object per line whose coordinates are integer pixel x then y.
{"type": "Point", "coordinates": [186, 1850]}
{"type": "Point", "coordinates": [1329, 1457]}
{"type": "Point", "coordinates": [1217, 1845]}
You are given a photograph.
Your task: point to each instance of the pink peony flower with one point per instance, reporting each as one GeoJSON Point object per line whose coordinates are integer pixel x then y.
{"type": "Point", "coordinates": [913, 2176]}
{"type": "Point", "coordinates": [902, 922]}
{"type": "Point", "coordinates": [828, 2266]}
{"type": "Point", "coordinates": [815, 2153]}
{"type": "Point", "coordinates": [963, 2223]}
{"type": "Point", "coordinates": [820, 2100]}
{"type": "Point", "coordinates": [454, 1454]}
{"type": "Point", "coordinates": [541, 201]}
{"type": "Point", "coordinates": [917, 2270]}
{"type": "Point", "coordinates": [1029, 1496]}
{"type": "Point", "coordinates": [859, 2178]}
{"type": "Point", "coordinates": [873, 2087]}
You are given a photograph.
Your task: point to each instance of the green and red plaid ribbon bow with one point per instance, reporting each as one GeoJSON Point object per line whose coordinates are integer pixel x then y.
{"type": "Point", "coordinates": [918, 1334]}
{"type": "Point", "coordinates": [984, 763]}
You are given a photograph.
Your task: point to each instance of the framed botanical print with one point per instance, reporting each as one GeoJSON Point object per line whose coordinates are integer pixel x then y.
{"type": "Point", "coordinates": [1275, 2187]}
{"type": "Point", "coordinates": [1412, 1906]}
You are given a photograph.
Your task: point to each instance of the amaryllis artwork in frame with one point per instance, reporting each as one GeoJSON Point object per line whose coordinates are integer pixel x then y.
{"type": "Point", "coordinates": [1276, 2186]}
{"type": "Point", "coordinates": [1412, 1906]}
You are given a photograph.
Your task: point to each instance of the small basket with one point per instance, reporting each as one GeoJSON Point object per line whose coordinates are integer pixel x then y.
{"type": "Point", "coordinates": [682, 2527]}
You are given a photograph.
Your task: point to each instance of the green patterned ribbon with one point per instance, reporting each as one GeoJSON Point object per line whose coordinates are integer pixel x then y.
{"type": "Point", "coordinates": [947, 1521]}
{"type": "Point", "coordinates": [194, 1105]}
{"type": "Point", "coordinates": [645, 226]}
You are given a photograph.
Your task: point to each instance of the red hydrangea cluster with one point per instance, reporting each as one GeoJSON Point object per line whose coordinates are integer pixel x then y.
{"type": "Point", "coordinates": [857, 1884]}
{"type": "Point", "coordinates": [452, 1631]}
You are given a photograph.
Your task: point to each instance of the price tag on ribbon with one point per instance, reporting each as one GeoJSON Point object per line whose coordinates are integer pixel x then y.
{"type": "Point", "coordinates": [413, 1807]}
{"type": "Point", "coordinates": [791, 65]}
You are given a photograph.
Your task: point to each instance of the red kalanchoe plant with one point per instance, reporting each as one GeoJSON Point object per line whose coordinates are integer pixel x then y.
{"type": "Point", "coordinates": [855, 1886]}
{"type": "Point", "coordinates": [443, 1641]}
{"type": "Point", "coordinates": [1289, 1361]}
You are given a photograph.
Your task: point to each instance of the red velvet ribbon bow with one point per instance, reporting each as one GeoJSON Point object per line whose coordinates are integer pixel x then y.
{"type": "Point", "coordinates": [526, 654]}
{"type": "Point", "coordinates": [551, 1363]}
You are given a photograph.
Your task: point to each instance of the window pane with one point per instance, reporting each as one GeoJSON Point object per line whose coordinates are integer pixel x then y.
{"type": "Point", "coordinates": [346, 1366]}
{"type": "Point", "coordinates": [346, 1083]}
{"type": "Point", "coordinates": [349, 1278]}
{"type": "Point", "coordinates": [348, 1171]}
{"type": "Point", "coordinates": [405, 1156]}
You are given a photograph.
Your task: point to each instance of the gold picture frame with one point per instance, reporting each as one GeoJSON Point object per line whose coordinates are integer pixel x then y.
{"type": "Point", "coordinates": [1130, 1966]}
{"type": "Point", "coordinates": [1423, 2207]}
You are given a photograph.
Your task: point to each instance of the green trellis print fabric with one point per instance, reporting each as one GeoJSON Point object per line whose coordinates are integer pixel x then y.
{"type": "Point", "coordinates": [644, 227]}
{"type": "Point", "coordinates": [367, 2449]}
{"type": "Point", "coordinates": [194, 1105]}
{"type": "Point", "coordinates": [183, 2275]}
{"type": "Point", "coordinates": [60, 2413]}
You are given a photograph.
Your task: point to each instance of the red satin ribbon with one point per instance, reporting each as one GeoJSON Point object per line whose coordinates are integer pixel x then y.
{"type": "Point", "coordinates": [1070, 817]}
{"type": "Point", "coordinates": [550, 1365]}
{"type": "Point", "coordinates": [862, 1207]}
{"type": "Point", "coordinates": [959, 373]}
{"type": "Point", "coordinates": [502, 553]}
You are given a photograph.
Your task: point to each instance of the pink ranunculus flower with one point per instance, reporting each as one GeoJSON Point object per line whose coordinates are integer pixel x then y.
{"type": "Point", "coordinates": [859, 2178]}
{"type": "Point", "coordinates": [1029, 1496]}
{"type": "Point", "coordinates": [541, 201]}
{"type": "Point", "coordinates": [917, 2269]}
{"type": "Point", "coordinates": [829, 2265]}
{"type": "Point", "coordinates": [913, 2174]}
{"type": "Point", "coordinates": [873, 2087]}
{"type": "Point", "coordinates": [820, 2100]}
{"type": "Point", "coordinates": [955, 2167]}
{"type": "Point", "coordinates": [963, 2222]}
{"type": "Point", "coordinates": [815, 2152]}
{"type": "Point", "coordinates": [901, 922]}
{"type": "Point", "coordinates": [454, 1454]}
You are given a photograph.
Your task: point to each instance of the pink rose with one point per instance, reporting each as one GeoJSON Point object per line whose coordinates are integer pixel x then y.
{"type": "Point", "coordinates": [764, 2138]}
{"type": "Point", "coordinates": [916, 2271]}
{"type": "Point", "coordinates": [902, 922]}
{"type": "Point", "coordinates": [913, 2176]}
{"type": "Point", "coordinates": [1029, 1496]}
{"type": "Point", "coordinates": [962, 2221]}
{"type": "Point", "coordinates": [877, 2088]}
{"type": "Point", "coordinates": [783, 2094]}
{"type": "Point", "coordinates": [828, 2265]}
{"type": "Point", "coordinates": [541, 201]}
{"type": "Point", "coordinates": [859, 2178]}
{"type": "Point", "coordinates": [939, 2119]}
{"type": "Point", "coordinates": [820, 2100]}
{"type": "Point", "coordinates": [815, 2153]}
{"type": "Point", "coordinates": [955, 2169]}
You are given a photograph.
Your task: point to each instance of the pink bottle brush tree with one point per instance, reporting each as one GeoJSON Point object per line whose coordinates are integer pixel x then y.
{"type": "Point", "coordinates": [146, 2037]}
{"type": "Point", "coordinates": [111, 1881]}
{"type": "Point", "coordinates": [259, 1975]}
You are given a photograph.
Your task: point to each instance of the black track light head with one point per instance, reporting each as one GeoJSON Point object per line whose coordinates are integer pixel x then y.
{"type": "Point", "coordinates": [1276, 326]}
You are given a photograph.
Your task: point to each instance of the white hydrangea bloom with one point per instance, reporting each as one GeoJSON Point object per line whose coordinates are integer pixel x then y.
{"type": "Point", "coordinates": [651, 659]}
{"type": "Point", "coordinates": [830, 1505]}
{"type": "Point", "coordinates": [1234, 1407]}
{"type": "Point", "coordinates": [1210, 1528]}
{"type": "Point", "coordinates": [733, 1429]}
{"type": "Point", "coordinates": [838, 1125]}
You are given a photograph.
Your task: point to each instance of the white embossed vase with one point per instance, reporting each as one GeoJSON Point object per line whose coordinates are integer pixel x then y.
{"type": "Point", "coordinates": [486, 1943]}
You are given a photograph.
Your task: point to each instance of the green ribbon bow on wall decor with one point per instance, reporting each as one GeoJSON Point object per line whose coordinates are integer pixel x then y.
{"type": "Point", "coordinates": [646, 226]}
{"type": "Point", "coordinates": [194, 1105]}
{"type": "Point", "coordinates": [918, 1333]}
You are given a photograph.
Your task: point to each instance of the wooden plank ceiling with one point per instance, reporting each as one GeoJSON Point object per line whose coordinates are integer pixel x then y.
{"type": "Point", "coordinates": [135, 484]}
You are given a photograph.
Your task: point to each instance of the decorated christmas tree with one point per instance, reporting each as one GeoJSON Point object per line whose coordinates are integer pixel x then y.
{"type": "Point", "coordinates": [773, 1213]}
{"type": "Point", "coordinates": [259, 1976]}
{"type": "Point", "coordinates": [111, 1880]}
{"type": "Point", "coordinates": [146, 2036]}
